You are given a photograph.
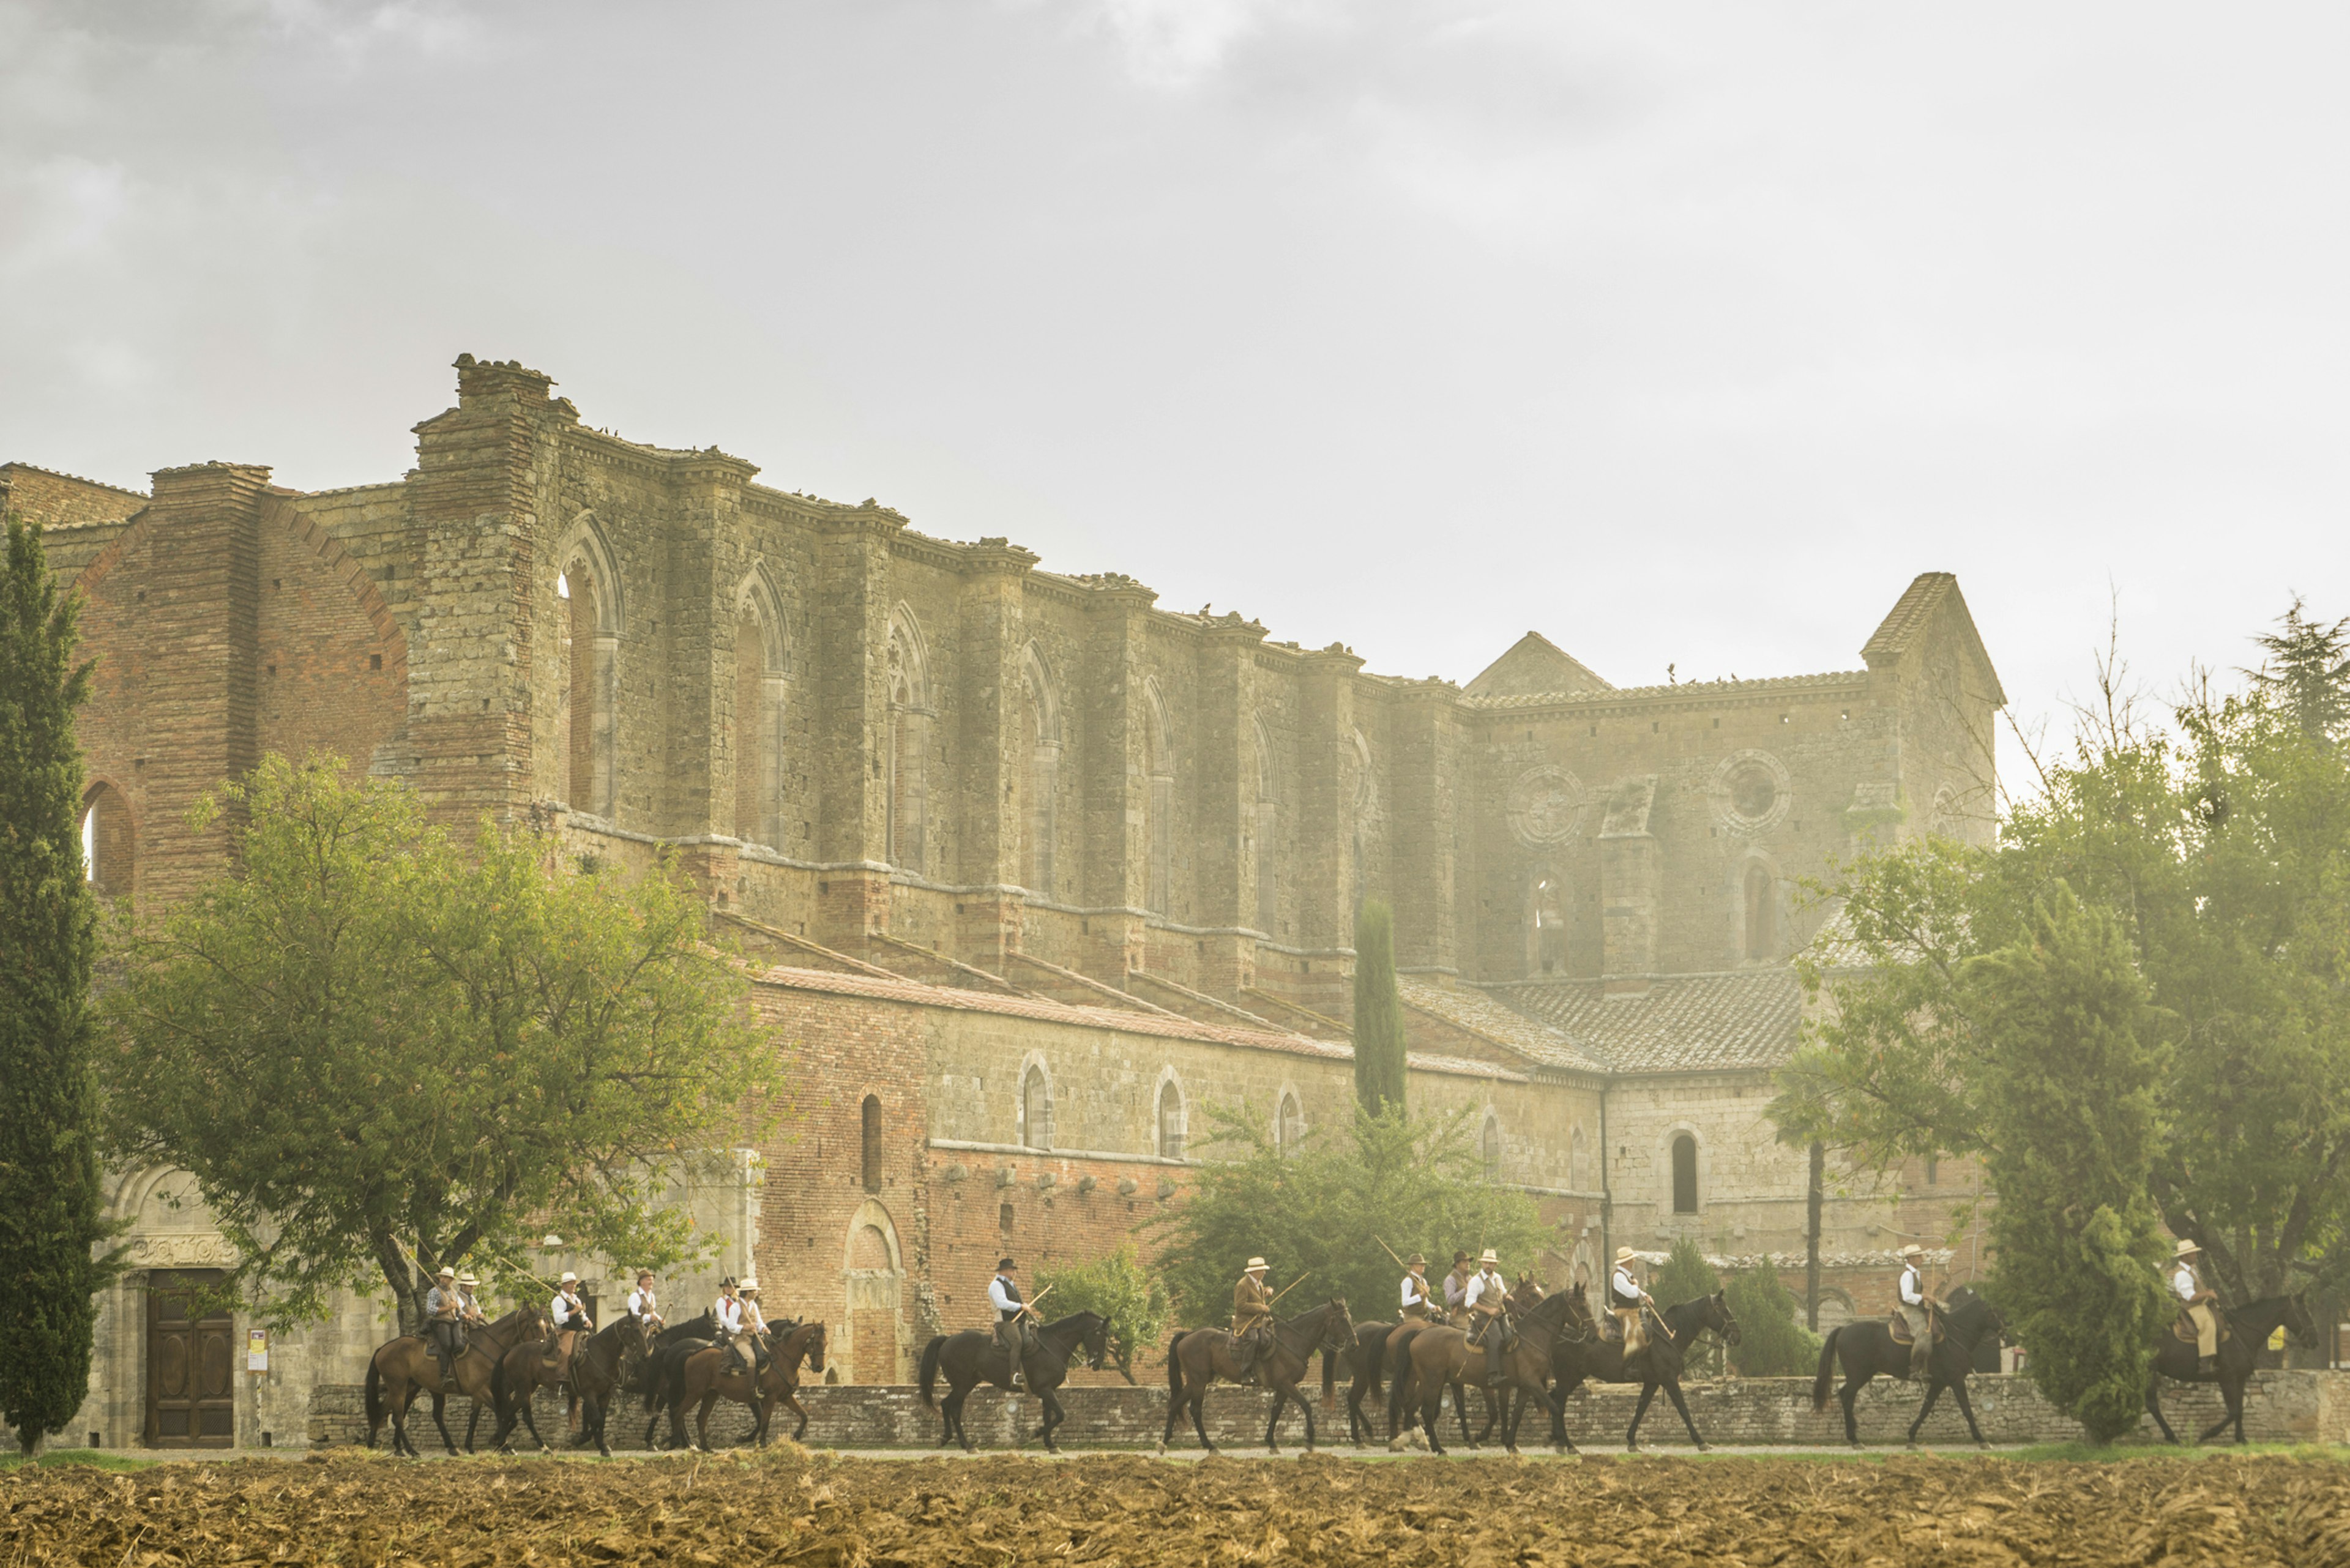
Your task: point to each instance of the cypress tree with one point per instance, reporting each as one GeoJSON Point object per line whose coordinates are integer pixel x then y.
{"type": "Point", "coordinates": [1379, 1012]}
{"type": "Point", "coordinates": [51, 1205]}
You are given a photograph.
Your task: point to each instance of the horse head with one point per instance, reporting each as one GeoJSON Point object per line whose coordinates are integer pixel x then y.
{"type": "Point", "coordinates": [2299, 1323]}
{"type": "Point", "coordinates": [814, 1349]}
{"type": "Point", "coordinates": [1095, 1341]}
{"type": "Point", "coordinates": [1718, 1317]}
{"type": "Point", "coordinates": [1337, 1328]}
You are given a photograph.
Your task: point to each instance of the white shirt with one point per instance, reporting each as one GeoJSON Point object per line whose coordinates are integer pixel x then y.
{"type": "Point", "coordinates": [1913, 1289]}
{"type": "Point", "coordinates": [563, 1307]}
{"type": "Point", "coordinates": [2184, 1283]}
{"type": "Point", "coordinates": [1480, 1285]}
{"type": "Point", "coordinates": [1626, 1287]}
{"type": "Point", "coordinates": [728, 1311]}
{"type": "Point", "coordinates": [752, 1318]}
{"type": "Point", "coordinates": [1004, 1301]}
{"type": "Point", "coordinates": [1415, 1291]}
{"type": "Point", "coordinates": [642, 1304]}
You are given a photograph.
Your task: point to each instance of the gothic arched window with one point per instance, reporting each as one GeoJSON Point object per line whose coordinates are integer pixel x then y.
{"type": "Point", "coordinates": [1684, 1173]}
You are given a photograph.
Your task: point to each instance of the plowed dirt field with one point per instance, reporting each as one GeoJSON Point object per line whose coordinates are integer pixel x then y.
{"type": "Point", "coordinates": [1131, 1510]}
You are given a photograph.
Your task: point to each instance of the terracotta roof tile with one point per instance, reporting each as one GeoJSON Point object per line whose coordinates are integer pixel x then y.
{"type": "Point", "coordinates": [1750, 1018]}
{"type": "Point", "coordinates": [1481, 1014]}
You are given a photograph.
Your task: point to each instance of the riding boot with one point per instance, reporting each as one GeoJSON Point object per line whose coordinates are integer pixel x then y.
{"type": "Point", "coordinates": [1920, 1360]}
{"type": "Point", "coordinates": [2207, 1365]}
{"type": "Point", "coordinates": [1494, 1377]}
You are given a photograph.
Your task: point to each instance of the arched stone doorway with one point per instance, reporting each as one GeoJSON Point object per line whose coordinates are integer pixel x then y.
{"type": "Point", "coordinates": [873, 1275]}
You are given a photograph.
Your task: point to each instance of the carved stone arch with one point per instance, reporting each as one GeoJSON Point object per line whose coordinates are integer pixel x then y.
{"type": "Point", "coordinates": [589, 613]}
{"type": "Point", "coordinates": [909, 660]}
{"type": "Point", "coordinates": [758, 595]}
{"type": "Point", "coordinates": [907, 743]}
{"type": "Point", "coordinates": [109, 837]}
{"type": "Point", "coordinates": [1289, 1126]}
{"type": "Point", "coordinates": [1684, 1172]}
{"type": "Point", "coordinates": [1159, 813]}
{"type": "Point", "coordinates": [1043, 692]}
{"type": "Point", "coordinates": [584, 542]}
{"type": "Point", "coordinates": [1170, 1114]}
{"type": "Point", "coordinates": [1038, 770]}
{"type": "Point", "coordinates": [1491, 1147]}
{"type": "Point", "coordinates": [1033, 1108]}
{"type": "Point", "coordinates": [1759, 913]}
{"type": "Point", "coordinates": [762, 660]}
{"type": "Point", "coordinates": [873, 1339]}
{"type": "Point", "coordinates": [1267, 831]}
{"type": "Point", "coordinates": [1367, 816]}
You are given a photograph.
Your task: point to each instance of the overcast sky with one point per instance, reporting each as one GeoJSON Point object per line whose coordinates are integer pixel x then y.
{"type": "Point", "coordinates": [1684, 334]}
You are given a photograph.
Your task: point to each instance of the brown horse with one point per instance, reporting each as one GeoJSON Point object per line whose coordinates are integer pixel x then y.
{"type": "Point", "coordinates": [710, 1374]}
{"type": "Point", "coordinates": [1440, 1357]}
{"type": "Point", "coordinates": [2249, 1328]}
{"type": "Point", "coordinates": [1197, 1357]}
{"type": "Point", "coordinates": [1522, 1296]}
{"type": "Point", "coordinates": [520, 1372]}
{"type": "Point", "coordinates": [1366, 1368]}
{"type": "Point", "coordinates": [1601, 1360]}
{"type": "Point", "coordinates": [402, 1369]}
{"type": "Point", "coordinates": [973, 1357]}
{"type": "Point", "coordinates": [599, 1367]}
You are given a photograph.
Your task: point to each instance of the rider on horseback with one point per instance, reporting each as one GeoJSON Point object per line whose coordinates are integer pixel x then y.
{"type": "Point", "coordinates": [754, 1324]}
{"type": "Point", "coordinates": [444, 1314]}
{"type": "Point", "coordinates": [1487, 1299]}
{"type": "Point", "coordinates": [643, 1305]}
{"type": "Point", "coordinates": [1628, 1303]}
{"type": "Point", "coordinates": [567, 1311]}
{"type": "Point", "coordinates": [1415, 1307]}
{"type": "Point", "coordinates": [1456, 1290]}
{"type": "Point", "coordinates": [726, 1311]}
{"type": "Point", "coordinates": [1016, 1326]}
{"type": "Point", "coordinates": [1251, 1319]}
{"type": "Point", "coordinates": [2200, 1303]}
{"type": "Point", "coordinates": [1918, 1308]}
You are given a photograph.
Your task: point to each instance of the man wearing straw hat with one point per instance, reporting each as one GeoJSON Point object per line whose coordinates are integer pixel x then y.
{"type": "Point", "coordinates": [1252, 1318]}
{"type": "Point", "coordinates": [1918, 1308]}
{"type": "Point", "coordinates": [1415, 1308]}
{"type": "Point", "coordinates": [1628, 1303]}
{"type": "Point", "coordinates": [1488, 1300]}
{"type": "Point", "coordinates": [2200, 1304]}
{"type": "Point", "coordinates": [445, 1311]}
{"type": "Point", "coordinates": [567, 1311]}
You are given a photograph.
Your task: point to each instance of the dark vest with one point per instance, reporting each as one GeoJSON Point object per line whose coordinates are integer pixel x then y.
{"type": "Point", "coordinates": [1002, 1315]}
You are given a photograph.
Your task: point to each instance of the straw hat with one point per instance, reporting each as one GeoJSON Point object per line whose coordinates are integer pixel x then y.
{"type": "Point", "coordinates": [749, 1287]}
{"type": "Point", "coordinates": [1490, 1257]}
{"type": "Point", "coordinates": [568, 1278]}
{"type": "Point", "coordinates": [446, 1273]}
{"type": "Point", "coordinates": [1625, 1255]}
{"type": "Point", "coordinates": [2185, 1248]}
{"type": "Point", "coordinates": [1913, 1250]}
{"type": "Point", "coordinates": [468, 1281]}
{"type": "Point", "coordinates": [1256, 1265]}
{"type": "Point", "coordinates": [1415, 1262]}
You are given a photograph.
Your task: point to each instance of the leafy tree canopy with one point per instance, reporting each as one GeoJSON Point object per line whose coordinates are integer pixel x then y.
{"type": "Point", "coordinates": [1685, 1276]}
{"type": "Point", "coordinates": [1415, 1185]}
{"type": "Point", "coordinates": [376, 1051]}
{"type": "Point", "coordinates": [2221, 844]}
{"type": "Point", "coordinates": [1122, 1289]}
{"type": "Point", "coordinates": [1772, 1341]}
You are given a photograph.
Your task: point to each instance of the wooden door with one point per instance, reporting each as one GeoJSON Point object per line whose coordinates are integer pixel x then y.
{"type": "Point", "coordinates": [191, 1376]}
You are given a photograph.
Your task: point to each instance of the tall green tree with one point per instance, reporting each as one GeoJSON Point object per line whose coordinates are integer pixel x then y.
{"type": "Point", "coordinates": [1380, 1068]}
{"type": "Point", "coordinates": [1684, 1276]}
{"type": "Point", "coordinates": [378, 1051]}
{"type": "Point", "coordinates": [2308, 671]}
{"type": "Point", "coordinates": [1334, 1211]}
{"type": "Point", "coordinates": [1122, 1288]}
{"type": "Point", "coordinates": [2070, 1098]}
{"type": "Point", "coordinates": [52, 1219]}
{"type": "Point", "coordinates": [1772, 1341]}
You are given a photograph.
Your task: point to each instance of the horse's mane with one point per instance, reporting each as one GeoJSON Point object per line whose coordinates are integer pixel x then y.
{"type": "Point", "coordinates": [1324, 1309]}
{"type": "Point", "coordinates": [527, 1312]}
{"type": "Point", "coordinates": [1065, 1321]}
{"type": "Point", "coordinates": [1552, 1310]}
{"type": "Point", "coordinates": [1697, 1303]}
{"type": "Point", "coordinates": [701, 1327]}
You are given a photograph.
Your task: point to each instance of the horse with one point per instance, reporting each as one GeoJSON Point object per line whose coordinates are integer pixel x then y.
{"type": "Point", "coordinates": [405, 1366]}
{"type": "Point", "coordinates": [1440, 1356]}
{"type": "Point", "coordinates": [973, 1357]}
{"type": "Point", "coordinates": [669, 1350]}
{"type": "Point", "coordinates": [1868, 1349]}
{"type": "Point", "coordinates": [707, 1373]}
{"type": "Point", "coordinates": [1365, 1365]}
{"type": "Point", "coordinates": [1197, 1357]}
{"type": "Point", "coordinates": [2176, 1359]}
{"type": "Point", "coordinates": [599, 1368]}
{"type": "Point", "coordinates": [1601, 1360]}
{"type": "Point", "coordinates": [1524, 1294]}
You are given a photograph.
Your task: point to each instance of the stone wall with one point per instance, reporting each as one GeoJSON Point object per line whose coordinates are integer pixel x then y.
{"type": "Point", "coordinates": [2279, 1407]}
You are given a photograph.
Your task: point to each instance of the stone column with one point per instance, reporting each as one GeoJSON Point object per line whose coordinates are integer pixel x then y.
{"type": "Point", "coordinates": [1423, 826]}
{"type": "Point", "coordinates": [1114, 781]}
{"type": "Point", "coordinates": [1325, 825]}
{"type": "Point", "coordinates": [1631, 880]}
{"type": "Point", "coordinates": [1223, 763]}
{"type": "Point", "coordinates": [994, 633]}
{"type": "Point", "coordinates": [849, 671]}
{"type": "Point", "coordinates": [698, 758]}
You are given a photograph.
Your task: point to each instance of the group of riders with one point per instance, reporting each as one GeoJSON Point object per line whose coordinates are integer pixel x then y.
{"type": "Point", "coordinates": [452, 1310]}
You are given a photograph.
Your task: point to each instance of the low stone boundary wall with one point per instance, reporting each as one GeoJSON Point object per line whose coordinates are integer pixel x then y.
{"type": "Point", "coordinates": [2279, 1407]}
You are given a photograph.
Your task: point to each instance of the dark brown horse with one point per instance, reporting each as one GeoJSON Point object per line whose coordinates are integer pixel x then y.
{"type": "Point", "coordinates": [1522, 1296]}
{"type": "Point", "coordinates": [404, 1367]}
{"type": "Point", "coordinates": [1598, 1360]}
{"type": "Point", "coordinates": [520, 1374]}
{"type": "Point", "coordinates": [1365, 1366]}
{"type": "Point", "coordinates": [709, 1375]}
{"type": "Point", "coordinates": [973, 1357]}
{"type": "Point", "coordinates": [2250, 1327]}
{"type": "Point", "coordinates": [1868, 1349]}
{"type": "Point", "coordinates": [1441, 1356]}
{"type": "Point", "coordinates": [596, 1365]}
{"type": "Point", "coordinates": [1197, 1357]}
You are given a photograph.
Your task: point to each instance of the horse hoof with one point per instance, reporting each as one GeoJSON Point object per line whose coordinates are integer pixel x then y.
{"type": "Point", "coordinates": [1705, 1447]}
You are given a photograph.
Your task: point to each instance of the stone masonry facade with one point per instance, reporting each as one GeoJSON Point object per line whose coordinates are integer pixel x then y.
{"type": "Point", "coordinates": [1033, 871]}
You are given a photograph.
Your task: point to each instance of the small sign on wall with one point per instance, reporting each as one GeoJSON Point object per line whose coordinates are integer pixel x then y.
{"type": "Point", "coordinates": [257, 1350]}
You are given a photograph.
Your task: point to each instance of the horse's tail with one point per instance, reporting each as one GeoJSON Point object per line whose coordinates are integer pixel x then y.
{"type": "Point", "coordinates": [1401, 1350]}
{"type": "Point", "coordinates": [1827, 1371]}
{"type": "Point", "coordinates": [656, 1372]}
{"type": "Point", "coordinates": [1175, 1366]}
{"type": "Point", "coordinates": [374, 1398]}
{"type": "Point", "coordinates": [498, 1388]}
{"type": "Point", "coordinates": [931, 1353]}
{"type": "Point", "coordinates": [1374, 1368]}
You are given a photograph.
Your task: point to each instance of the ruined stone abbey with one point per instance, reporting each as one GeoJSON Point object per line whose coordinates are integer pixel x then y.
{"type": "Point", "coordinates": [1039, 869]}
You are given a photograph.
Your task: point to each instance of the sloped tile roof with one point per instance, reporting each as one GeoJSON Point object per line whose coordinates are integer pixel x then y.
{"type": "Point", "coordinates": [1172, 1026]}
{"type": "Point", "coordinates": [1902, 623]}
{"type": "Point", "coordinates": [1479, 1013]}
{"type": "Point", "coordinates": [1749, 1018]}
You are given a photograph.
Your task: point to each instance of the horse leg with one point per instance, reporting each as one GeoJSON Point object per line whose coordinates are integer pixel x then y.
{"type": "Point", "coordinates": [1198, 1424]}
{"type": "Point", "coordinates": [1307, 1406]}
{"type": "Point", "coordinates": [2154, 1407]}
{"type": "Point", "coordinates": [1967, 1408]}
{"type": "Point", "coordinates": [1926, 1406]}
{"type": "Point", "coordinates": [1053, 1417]}
{"type": "Point", "coordinates": [792, 1397]}
{"type": "Point", "coordinates": [1632, 1437]}
{"type": "Point", "coordinates": [440, 1407]}
{"type": "Point", "coordinates": [1673, 1392]}
{"type": "Point", "coordinates": [702, 1421]}
{"type": "Point", "coordinates": [1853, 1384]}
{"type": "Point", "coordinates": [2231, 1399]}
{"type": "Point", "coordinates": [473, 1421]}
{"type": "Point", "coordinates": [1432, 1413]}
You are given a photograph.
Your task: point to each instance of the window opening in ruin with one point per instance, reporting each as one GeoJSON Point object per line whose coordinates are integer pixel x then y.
{"type": "Point", "coordinates": [1035, 1109]}
{"type": "Point", "coordinates": [1490, 1148]}
{"type": "Point", "coordinates": [1752, 792]}
{"type": "Point", "coordinates": [1684, 1174]}
{"type": "Point", "coordinates": [584, 701]}
{"type": "Point", "coordinates": [872, 1129]}
{"type": "Point", "coordinates": [1289, 1125]}
{"type": "Point", "coordinates": [1933, 1170]}
{"type": "Point", "coordinates": [563, 585]}
{"type": "Point", "coordinates": [108, 843]}
{"type": "Point", "coordinates": [1004, 1218]}
{"type": "Point", "coordinates": [1171, 1121]}
{"type": "Point", "coordinates": [1547, 934]}
{"type": "Point", "coordinates": [1762, 912]}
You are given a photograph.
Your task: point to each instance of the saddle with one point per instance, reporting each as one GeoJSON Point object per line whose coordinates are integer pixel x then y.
{"type": "Point", "coordinates": [2182, 1328]}
{"type": "Point", "coordinates": [1900, 1328]}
